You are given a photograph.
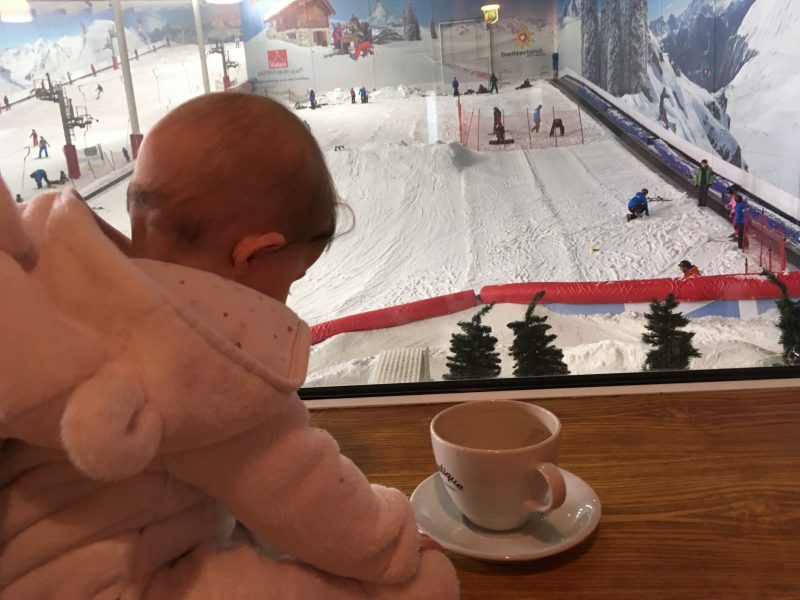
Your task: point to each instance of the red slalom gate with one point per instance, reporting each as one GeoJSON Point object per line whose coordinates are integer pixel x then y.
{"type": "Point", "coordinates": [766, 244]}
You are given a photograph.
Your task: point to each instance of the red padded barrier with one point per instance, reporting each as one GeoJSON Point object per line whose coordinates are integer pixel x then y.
{"type": "Point", "coordinates": [395, 315]}
{"type": "Point", "coordinates": [713, 287]}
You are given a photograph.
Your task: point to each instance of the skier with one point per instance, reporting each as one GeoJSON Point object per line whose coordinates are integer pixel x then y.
{"type": "Point", "coordinates": [38, 176]}
{"type": "Point", "coordinates": [739, 220]}
{"type": "Point", "coordinates": [94, 70]}
{"type": "Point", "coordinates": [498, 120]}
{"type": "Point", "coordinates": [703, 177]}
{"type": "Point", "coordinates": [312, 99]}
{"type": "Point", "coordinates": [99, 90]}
{"type": "Point", "coordinates": [493, 84]}
{"type": "Point", "coordinates": [455, 86]}
{"type": "Point", "coordinates": [637, 206]}
{"type": "Point", "coordinates": [136, 53]}
{"type": "Point", "coordinates": [537, 119]}
{"type": "Point", "coordinates": [35, 137]}
{"type": "Point", "coordinates": [557, 124]}
{"type": "Point", "coordinates": [7, 102]}
{"type": "Point", "coordinates": [126, 155]}
{"type": "Point", "coordinates": [19, 199]}
{"type": "Point", "coordinates": [352, 96]}
{"type": "Point", "coordinates": [363, 93]}
{"type": "Point", "coordinates": [689, 270]}
{"type": "Point", "coordinates": [62, 178]}
{"type": "Point", "coordinates": [43, 145]}
{"type": "Point", "coordinates": [69, 76]}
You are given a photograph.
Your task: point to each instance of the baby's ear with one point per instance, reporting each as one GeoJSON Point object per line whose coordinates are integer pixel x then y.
{"type": "Point", "coordinates": [109, 429]}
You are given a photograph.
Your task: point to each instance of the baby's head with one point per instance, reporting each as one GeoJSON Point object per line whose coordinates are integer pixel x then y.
{"type": "Point", "coordinates": [236, 185]}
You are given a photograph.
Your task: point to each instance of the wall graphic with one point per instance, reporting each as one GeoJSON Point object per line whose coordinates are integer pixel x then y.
{"type": "Point", "coordinates": [68, 37]}
{"type": "Point", "coordinates": [295, 45]}
{"type": "Point", "coordinates": [720, 73]}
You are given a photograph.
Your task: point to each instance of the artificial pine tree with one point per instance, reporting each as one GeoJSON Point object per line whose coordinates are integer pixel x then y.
{"type": "Point", "coordinates": [472, 352]}
{"type": "Point", "coordinates": [411, 24]}
{"type": "Point", "coordinates": [534, 354]}
{"type": "Point", "coordinates": [789, 320]}
{"type": "Point", "coordinates": [672, 347]}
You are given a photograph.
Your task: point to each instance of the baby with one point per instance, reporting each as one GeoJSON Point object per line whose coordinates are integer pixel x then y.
{"type": "Point", "coordinates": [148, 401]}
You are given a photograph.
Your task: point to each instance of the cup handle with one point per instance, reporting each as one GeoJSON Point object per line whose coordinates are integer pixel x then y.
{"type": "Point", "coordinates": [555, 481]}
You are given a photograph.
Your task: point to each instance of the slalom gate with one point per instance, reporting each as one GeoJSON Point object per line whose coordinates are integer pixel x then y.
{"type": "Point", "coordinates": [736, 296]}
{"type": "Point", "coordinates": [477, 128]}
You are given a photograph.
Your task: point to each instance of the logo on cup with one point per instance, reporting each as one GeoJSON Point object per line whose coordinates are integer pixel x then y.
{"type": "Point", "coordinates": [278, 59]}
{"type": "Point", "coordinates": [451, 481]}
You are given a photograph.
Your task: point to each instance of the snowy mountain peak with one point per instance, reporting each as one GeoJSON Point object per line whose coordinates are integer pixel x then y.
{"type": "Point", "coordinates": [380, 17]}
{"type": "Point", "coordinates": [571, 9]}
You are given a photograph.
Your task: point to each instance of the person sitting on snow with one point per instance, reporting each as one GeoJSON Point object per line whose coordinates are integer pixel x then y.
{"type": "Point", "coordinates": [637, 206]}
{"type": "Point", "coordinates": [689, 270]}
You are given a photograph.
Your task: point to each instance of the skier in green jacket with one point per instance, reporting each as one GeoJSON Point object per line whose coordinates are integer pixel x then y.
{"type": "Point", "coordinates": [703, 177]}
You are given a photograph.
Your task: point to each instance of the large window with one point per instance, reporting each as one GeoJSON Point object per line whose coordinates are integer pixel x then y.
{"type": "Point", "coordinates": [470, 198]}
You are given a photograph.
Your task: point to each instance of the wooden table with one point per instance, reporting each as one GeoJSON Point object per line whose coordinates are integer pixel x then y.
{"type": "Point", "coordinates": [700, 494]}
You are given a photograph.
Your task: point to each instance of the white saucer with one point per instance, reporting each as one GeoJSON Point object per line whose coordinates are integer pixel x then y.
{"type": "Point", "coordinates": [543, 535]}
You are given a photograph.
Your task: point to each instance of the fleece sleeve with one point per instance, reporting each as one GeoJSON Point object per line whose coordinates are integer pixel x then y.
{"type": "Point", "coordinates": [290, 486]}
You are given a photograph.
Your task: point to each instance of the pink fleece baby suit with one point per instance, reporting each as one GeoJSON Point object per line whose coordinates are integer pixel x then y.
{"type": "Point", "coordinates": [143, 408]}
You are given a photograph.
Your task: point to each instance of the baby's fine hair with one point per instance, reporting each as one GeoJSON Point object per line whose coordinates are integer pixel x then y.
{"type": "Point", "coordinates": [228, 158]}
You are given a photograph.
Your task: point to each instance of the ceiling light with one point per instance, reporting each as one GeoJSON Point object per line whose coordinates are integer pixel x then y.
{"type": "Point", "coordinates": [15, 11]}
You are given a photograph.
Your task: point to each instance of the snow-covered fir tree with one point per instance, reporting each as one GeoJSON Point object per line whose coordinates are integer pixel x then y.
{"type": "Point", "coordinates": [789, 320]}
{"type": "Point", "coordinates": [533, 351]}
{"type": "Point", "coordinates": [614, 47]}
{"type": "Point", "coordinates": [473, 353]}
{"type": "Point", "coordinates": [411, 24]}
{"type": "Point", "coordinates": [590, 36]}
{"type": "Point", "coordinates": [672, 347]}
{"type": "Point", "coordinates": [637, 36]}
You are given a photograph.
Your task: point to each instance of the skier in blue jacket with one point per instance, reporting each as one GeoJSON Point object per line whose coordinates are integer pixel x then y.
{"type": "Point", "coordinates": [637, 206]}
{"type": "Point", "coordinates": [312, 99]}
{"type": "Point", "coordinates": [537, 119]}
{"type": "Point", "coordinates": [739, 213]}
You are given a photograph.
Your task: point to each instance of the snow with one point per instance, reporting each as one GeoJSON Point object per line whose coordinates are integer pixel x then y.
{"type": "Point", "coordinates": [435, 218]}
{"type": "Point", "coordinates": [762, 96]}
{"type": "Point", "coordinates": [591, 344]}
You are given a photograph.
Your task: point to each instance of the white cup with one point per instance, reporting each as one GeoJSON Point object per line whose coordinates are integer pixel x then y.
{"type": "Point", "coordinates": [497, 460]}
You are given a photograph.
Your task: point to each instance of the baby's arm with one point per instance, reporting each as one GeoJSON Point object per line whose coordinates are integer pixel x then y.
{"type": "Point", "coordinates": [290, 486]}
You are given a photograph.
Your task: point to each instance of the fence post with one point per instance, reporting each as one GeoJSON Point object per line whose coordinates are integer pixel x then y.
{"type": "Point", "coordinates": [504, 124]}
{"type": "Point", "coordinates": [460, 123]}
{"type": "Point", "coordinates": [530, 141]}
{"type": "Point", "coordinates": [552, 131]}
{"type": "Point", "coordinates": [469, 127]}
{"type": "Point", "coordinates": [580, 121]}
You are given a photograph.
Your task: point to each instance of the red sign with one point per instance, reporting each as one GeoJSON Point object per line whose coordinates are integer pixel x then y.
{"type": "Point", "coordinates": [278, 59]}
